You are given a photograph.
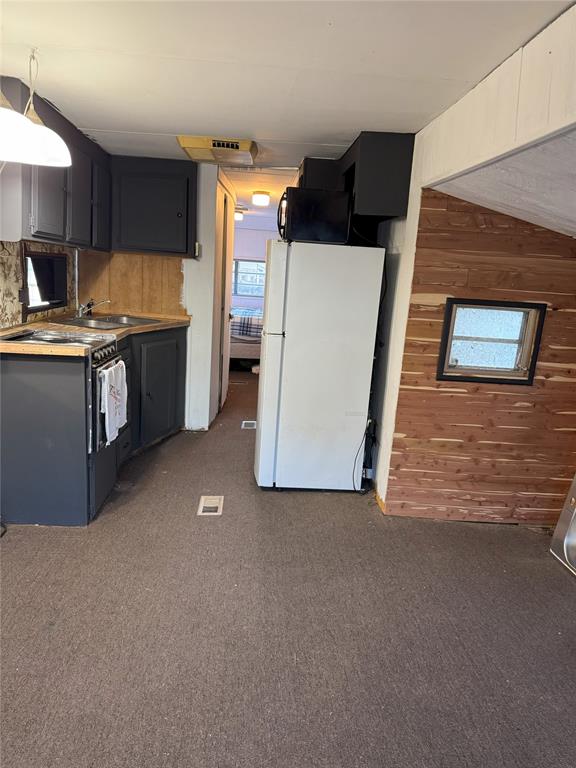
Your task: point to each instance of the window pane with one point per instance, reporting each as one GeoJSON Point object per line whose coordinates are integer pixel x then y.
{"type": "Point", "coordinates": [249, 278]}
{"type": "Point", "coordinates": [483, 354]}
{"type": "Point", "coordinates": [488, 323]}
{"type": "Point", "coordinates": [34, 297]}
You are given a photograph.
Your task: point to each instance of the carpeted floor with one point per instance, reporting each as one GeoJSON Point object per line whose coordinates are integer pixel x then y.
{"type": "Point", "coordinates": [298, 630]}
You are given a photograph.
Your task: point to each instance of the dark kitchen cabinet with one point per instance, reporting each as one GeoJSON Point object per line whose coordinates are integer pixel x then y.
{"type": "Point", "coordinates": [376, 170]}
{"type": "Point", "coordinates": [157, 385]}
{"type": "Point", "coordinates": [158, 378]}
{"type": "Point", "coordinates": [320, 173]}
{"type": "Point", "coordinates": [45, 420]}
{"type": "Point", "coordinates": [153, 205]}
{"type": "Point", "coordinates": [79, 199]}
{"type": "Point", "coordinates": [48, 203]}
{"type": "Point", "coordinates": [101, 207]}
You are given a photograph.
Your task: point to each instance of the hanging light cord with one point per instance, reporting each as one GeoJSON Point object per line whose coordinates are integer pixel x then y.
{"type": "Point", "coordinates": [32, 77]}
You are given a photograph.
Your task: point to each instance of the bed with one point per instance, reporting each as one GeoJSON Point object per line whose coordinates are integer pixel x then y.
{"type": "Point", "coordinates": [245, 335]}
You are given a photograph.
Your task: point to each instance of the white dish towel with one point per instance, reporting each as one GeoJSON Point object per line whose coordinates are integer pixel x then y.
{"type": "Point", "coordinates": [113, 399]}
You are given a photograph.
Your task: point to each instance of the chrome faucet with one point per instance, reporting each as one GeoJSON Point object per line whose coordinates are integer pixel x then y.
{"type": "Point", "coordinates": [86, 309]}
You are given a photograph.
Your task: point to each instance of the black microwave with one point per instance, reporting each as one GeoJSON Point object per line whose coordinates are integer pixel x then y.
{"type": "Point", "coordinates": [314, 216]}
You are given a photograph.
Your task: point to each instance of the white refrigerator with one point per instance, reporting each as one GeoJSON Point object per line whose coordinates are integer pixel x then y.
{"type": "Point", "coordinates": [320, 315]}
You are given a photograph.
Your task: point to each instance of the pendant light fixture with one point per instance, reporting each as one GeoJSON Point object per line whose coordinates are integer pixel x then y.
{"type": "Point", "coordinates": [25, 138]}
{"type": "Point", "coordinates": [14, 128]}
{"type": "Point", "coordinates": [50, 149]}
{"type": "Point", "coordinates": [260, 198]}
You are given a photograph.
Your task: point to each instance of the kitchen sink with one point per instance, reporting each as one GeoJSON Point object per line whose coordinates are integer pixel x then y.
{"type": "Point", "coordinates": [91, 322]}
{"type": "Point", "coordinates": [106, 322]}
{"type": "Point", "coordinates": [127, 320]}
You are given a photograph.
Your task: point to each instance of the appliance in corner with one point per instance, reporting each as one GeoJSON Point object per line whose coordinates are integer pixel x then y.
{"type": "Point", "coordinates": [314, 215]}
{"type": "Point", "coordinates": [320, 316]}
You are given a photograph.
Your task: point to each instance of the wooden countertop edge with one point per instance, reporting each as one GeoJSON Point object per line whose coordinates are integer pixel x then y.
{"type": "Point", "coordinates": [166, 322]}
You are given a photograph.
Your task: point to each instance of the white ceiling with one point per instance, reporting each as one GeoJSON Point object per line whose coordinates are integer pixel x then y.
{"type": "Point", "coordinates": [246, 181]}
{"type": "Point", "coordinates": [302, 78]}
{"type": "Point", "coordinates": [537, 185]}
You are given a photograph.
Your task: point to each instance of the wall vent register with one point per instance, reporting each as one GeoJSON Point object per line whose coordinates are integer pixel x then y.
{"type": "Point", "coordinates": [490, 341]}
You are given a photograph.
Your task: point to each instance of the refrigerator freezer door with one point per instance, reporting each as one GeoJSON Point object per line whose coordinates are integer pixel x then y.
{"type": "Point", "coordinates": [276, 253]}
{"type": "Point", "coordinates": [267, 418]}
{"type": "Point", "coordinates": [332, 302]}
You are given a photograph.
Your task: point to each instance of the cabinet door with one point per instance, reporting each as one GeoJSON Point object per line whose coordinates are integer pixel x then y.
{"type": "Point", "coordinates": [48, 203]}
{"type": "Point", "coordinates": [158, 389]}
{"type": "Point", "coordinates": [79, 199]}
{"type": "Point", "coordinates": [101, 200]}
{"type": "Point", "coordinates": [151, 212]}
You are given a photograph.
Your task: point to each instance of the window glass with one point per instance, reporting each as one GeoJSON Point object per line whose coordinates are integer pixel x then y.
{"type": "Point", "coordinates": [34, 297]}
{"type": "Point", "coordinates": [249, 278]}
{"type": "Point", "coordinates": [490, 341]}
{"type": "Point", "coordinates": [482, 354]}
{"type": "Point", "coordinates": [489, 323]}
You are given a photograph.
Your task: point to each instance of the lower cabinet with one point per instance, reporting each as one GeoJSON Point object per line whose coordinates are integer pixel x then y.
{"type": "Point", "coordinates": [158, 396]}
{"type": "Point", "coordinates": [156, 381]}
{"type": "Point", "coordinates": [47, 406]}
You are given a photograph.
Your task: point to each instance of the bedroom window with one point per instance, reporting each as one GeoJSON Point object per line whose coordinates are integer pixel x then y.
{"type": "Point", "coordinates": [248, 278]}
{"type": "Point", "coordinates": [491, 341]}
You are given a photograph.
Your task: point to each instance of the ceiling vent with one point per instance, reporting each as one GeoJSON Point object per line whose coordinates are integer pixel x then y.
{"type": "Point", "coordinates": [207, 149]}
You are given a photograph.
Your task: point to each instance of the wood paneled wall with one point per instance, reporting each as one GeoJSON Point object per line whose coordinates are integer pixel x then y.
{"type": "Point", "coordinates": [133, 282]}
{"type": "Point", "coordinates": [486, 452]}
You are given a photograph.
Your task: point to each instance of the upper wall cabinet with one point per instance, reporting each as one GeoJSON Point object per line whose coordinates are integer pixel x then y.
{"type": "Point", "coordinates": [79, 199]}
{"type": "Point", "coordinates": [48, 203]}
{"type": "Point", "coordinates": [153, 205]}
{"type": "Point", "coordinates": [101, 207]}
{"type": "Point", "coordinates": [56, 204]}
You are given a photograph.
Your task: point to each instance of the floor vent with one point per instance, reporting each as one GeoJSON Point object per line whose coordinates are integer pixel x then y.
{"type": "Point", "coordinates": [248, 425]}
{"type": "Point", "coordinates": [210, 505]}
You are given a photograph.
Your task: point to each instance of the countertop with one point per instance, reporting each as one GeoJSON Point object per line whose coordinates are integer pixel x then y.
{"type": "Point", "coordinates": [70, 350]}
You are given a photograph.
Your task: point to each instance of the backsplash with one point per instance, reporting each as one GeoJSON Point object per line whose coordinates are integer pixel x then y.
{"type": "Point", "coordinates": [132, 282]}
{"type": "Point", "coordinates": [11, 281]}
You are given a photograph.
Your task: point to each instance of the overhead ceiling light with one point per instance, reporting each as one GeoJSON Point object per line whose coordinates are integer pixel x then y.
{"type": "Point", "coordinates": [262, 199]}
{"type": "Point", "coordinates": [25, 138]}
{"type": "Point", "coordinates": [238, 216]}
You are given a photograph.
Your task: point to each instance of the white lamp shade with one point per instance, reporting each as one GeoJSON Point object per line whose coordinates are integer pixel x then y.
{"type": "Point", "coordinates": [48, 148]}
{"type": "Point", "coordinates": [238, 216]}
{"type": "Point", "coordinates": [22, 141]}
{"type": "Point", "coordinates": [14, 142]}
{"type": "Point", "coordinates": [261, 199]}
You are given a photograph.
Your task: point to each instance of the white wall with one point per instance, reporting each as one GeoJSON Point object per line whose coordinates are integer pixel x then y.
{"type": "Point", "coordinates": [202, 297]}
{"type": "Point", "coordinates": [198, 296]}
{"type": "Point", "coordinates": [529, 97]}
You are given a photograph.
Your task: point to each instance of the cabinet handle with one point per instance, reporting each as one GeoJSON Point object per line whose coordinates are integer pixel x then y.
{"type": "Point", "coordinates": [179, 215]}
{"type": "Point", "coordinates": [148, 395]}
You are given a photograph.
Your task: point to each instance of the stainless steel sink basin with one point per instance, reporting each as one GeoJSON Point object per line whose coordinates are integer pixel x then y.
{"type": "Point", "coordinates": [127, 319]}
{"type": "Point", "coordinates": [91, 322]}
{"type": "Point", "coordinates": [564, 540]}
{"type": "Point", "coordinates": [107, 322]}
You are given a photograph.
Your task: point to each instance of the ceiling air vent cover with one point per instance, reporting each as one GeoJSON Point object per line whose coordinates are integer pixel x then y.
{"type": "Point", "coordinates": [208, 149]}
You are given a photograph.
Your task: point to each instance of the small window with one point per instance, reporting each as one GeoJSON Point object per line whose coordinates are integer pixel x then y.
{"type": "Point", "coordinates": [46, 281]}
{"type": "Point", "coordinates": [249, 278]}
{"type": "Point", "coordinates": [492, 341]}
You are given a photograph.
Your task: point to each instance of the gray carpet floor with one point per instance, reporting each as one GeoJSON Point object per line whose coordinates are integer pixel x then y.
{"type": "Point", "coordinates": [298, 630]}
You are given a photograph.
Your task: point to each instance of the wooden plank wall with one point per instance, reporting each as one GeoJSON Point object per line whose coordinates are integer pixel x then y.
{"type": "Point", "coordinates": [133, 282]}
{"type": "Point", "coordinates": [486, 452]}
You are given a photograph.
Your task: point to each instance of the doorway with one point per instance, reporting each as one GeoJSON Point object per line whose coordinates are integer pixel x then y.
{"type": "Point", "coordinates": [254, 225]}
